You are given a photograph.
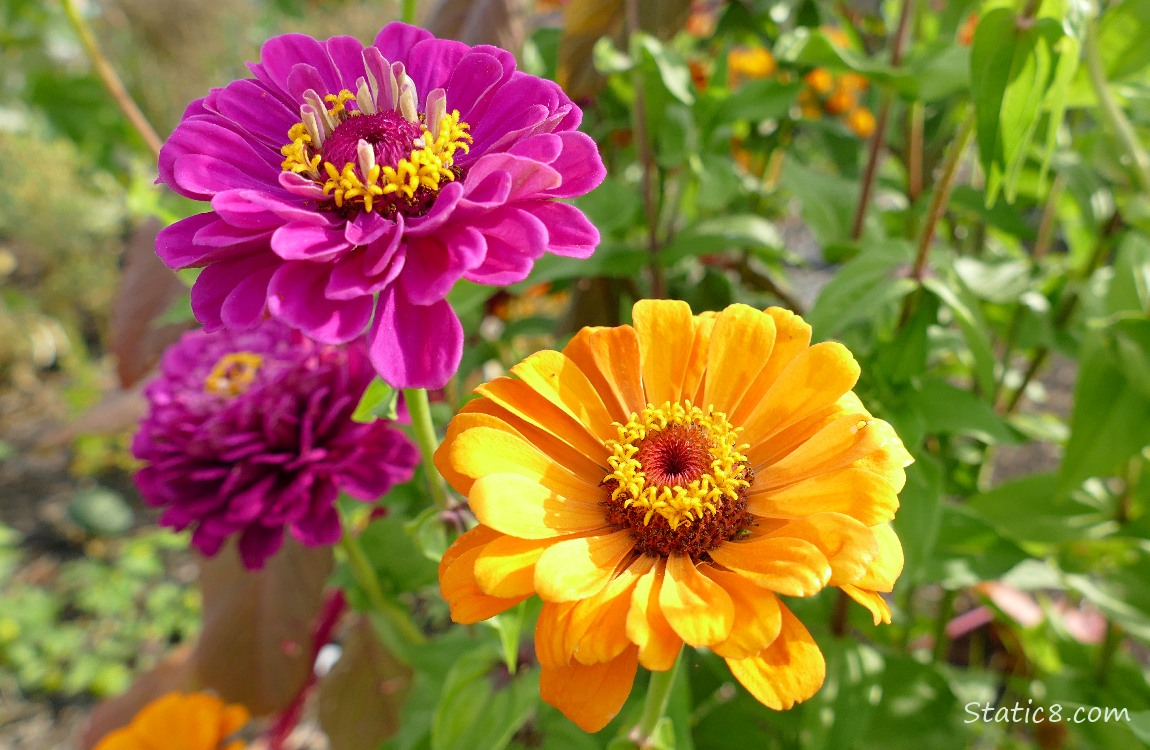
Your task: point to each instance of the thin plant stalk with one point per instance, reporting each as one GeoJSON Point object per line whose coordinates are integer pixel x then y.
{"type": "Point", "coordinates": [655, 704]}
{"type": "Point", "coordinates": [111, 80]}
{"type": "Point", "coordinates": [1112, 114]}
{"type": "Point", "coordinates": [407, 15]}
{"type": "Point", "coordinates": [364, 575]}
{"type": "Point", "coordinates": [420, 409]}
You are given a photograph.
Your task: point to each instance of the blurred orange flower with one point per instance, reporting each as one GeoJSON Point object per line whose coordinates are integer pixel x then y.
{"type": "Point", "coordinates": [181, 721]}
{"type": "Point", "coordinates": [663, 483]}
{"type": "Point", "coordinates": [861, 122]}
{"type": "Point", "coordinates": [966, 31]}
{"type": "Point", "coordinates": [820, 81]}
{"type": "Point", "coordinates": [748, 64]}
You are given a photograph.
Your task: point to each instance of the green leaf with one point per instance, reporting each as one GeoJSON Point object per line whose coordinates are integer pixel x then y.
{"type": "Point", "coordinates": [917, 522]}
{"type": "Point", "coordinates": [862, 289]}
{"type": "Point", "coordinates": [767, 99]}
{"type": "Point", "coordinates": [975, 329]}
{"type": "Point", "coordinates": [1124, 54]}
{"type": "Point", "coordinates": [1029, 509]}
{"type": "Point", "coordinates": [379, 401]}
{"type": "Point", "coordinates": [673, 70]}
{"type": "Point", "coordinates": [1000, 280]}
{"type": "Point", "coordinates": [737, 231]}
{"type": "Point", "coordinates": [480, 706]}
{"type": "Point", "coordinates": [1013, 67]}
{"type": "Point", "coordinates": [1110, 422]}
{"type": "Point", "coordinates": [969, 550]}
{"type": "Point", "coordinates": [828, 201]}
{"type": "Point", "coordinates": [949, 410]}
{"type": "Point", "coordinates": [394, 556]}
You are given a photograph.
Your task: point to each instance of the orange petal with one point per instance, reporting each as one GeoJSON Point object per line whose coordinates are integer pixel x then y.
{"type": "Point", "coordinates": [756, 615]}
{"type": "Point", "coordinates": [481, 451]}
{"type": "Point", "coordinates": [560, 381]}
{"type": "Point", "coordinates": [521, 507]}
{"type": "Point", "coordinates": [658, 643]}
{"type": "Point", "coordinates": [506, 566]}
{"type": "Point", "coordinates": [579, 568]}
{"type": "Point", "coordinates": [741, 343]}
{"type": "Point", "coordinates": [551, 635]}
{"type": "Point", "coordinates": [467, 601]}
{"type": "Point", "coordinates": [591, 695]}
{"type": "Point", "coordinates": [856, 492]}
{"type": "Point", "coordinates": [788, 671]}
{"type": "Point", "coordinates": [848, 546]}
{"type": "Point", "coordinates": [792, 336]}
{"type": "Point", "coordinates": [835, 446]}
{"type": "Point", "coordinates": [793, 567]}
{"type": "Point", "coordinates": [597, 628]}
{"type": "Point", "coordinates": [609, 357]}
{"type": "Point", "coordinates": [524, 402]}
{"type": "Point", "coordinates": [878, 607]}
{"type": "Point", "coordinates": [889, 462]}
{"type": "Point", "coordinates": [885, 569]}
{"type": "Point", "coordinates": [697, 609]}
{"type": "Point", "coordinates": [694, 377]}
{"type": "Point", "coordinates": [578, 463]}
{"type": "Point", "coordinates": [765, 451]}
{"type": "Point", "coordinates": [813, 381]}
{"type": "Point", "coordinates": [666, 334]}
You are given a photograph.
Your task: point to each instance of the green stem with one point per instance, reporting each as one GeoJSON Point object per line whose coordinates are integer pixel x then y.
{"type": "Point", "coordinates": [940, 640]}
{"type": "Point", "coordinates": [655, 705]}
{"type": "Point", "coordinates": [365, 576]}
{"type": "Point", "coordinates": [408, 13]}
{"type": "Point", "coordinates": [1112, 113]}
{"type": "Point", "coordinates": [111, 80]}
{"type": "Point", "coordinates": [420, 410]}
{"type": "Point", "coordinates": [1110, 643]}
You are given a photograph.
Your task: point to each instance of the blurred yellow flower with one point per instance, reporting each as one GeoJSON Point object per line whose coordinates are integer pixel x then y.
{"type": "Point", "coordinates": [748, 64]}
{"type": "Point", "coordinates": [181, 721]}
{"type": "Point", "coordinates": [663, 483]}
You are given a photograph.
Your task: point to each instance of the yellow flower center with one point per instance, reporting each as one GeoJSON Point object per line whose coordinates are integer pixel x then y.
{"type": "Point", "coordinates": [233, 374]}
{"type": "Point", "coordinates": [678, 479]}
{"type": "Point", "coordinates": [380, 155]}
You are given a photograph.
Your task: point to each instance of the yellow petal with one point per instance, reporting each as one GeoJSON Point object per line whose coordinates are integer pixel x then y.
{"type": "Point", "coordinates": [560, 381]}
{"type": "Point", "coordinates": [741, 344]}
{"type": "Point", "coordinates": [665, 334]}
{"type": "Point", "coordinates": [835, 446]}
{"type": "Point", "coordinates": [524, 402]}
{"type": "Point", "coordinates": [578, 568]}
{"type": "Point", "coordinates": [694, 377]}
{"type": "Point", "coordinates": [793, 567]}
{"type": "Point", "coordinates": [757, 618]}
{"type": "Point", "coordinates": [787, 672]}
{"type": "Point", "coordinates": [848, 546]}
{"type": "Point", "coordinates": [597, 628]}
{"type": "Point", "coordinates": [466, 600]}
{"type": "Point", "coordinates": [792, 336]}
{"type": "Point", "coordinates": [506, 566]}
{"type": "Point", "coordinates": [698, 609]}
{"type": "Point", "coordinates": [885, 569]}
{"type": "Point", "coordinates": [813, 381]}
{"type": "Point", "coordinates": [858, 493]}
{"type": "Point", "coordinates": [518, 506]}
{"type": "Point", "coordinates": [591, 695]}
{"type": "Point", "coordinates": [878, 607]}
{"type": "Point", "coordinates": [609, 357]}
{"type": "Point", "coordinates": [658, 643]}
{"type": "Point", "coordinates": [481, 451]}
{"type": "Point", "coordinates": [578, 463]}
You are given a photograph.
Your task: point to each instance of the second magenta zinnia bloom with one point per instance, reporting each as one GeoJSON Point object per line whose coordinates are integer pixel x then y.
{"type": "Point", "coordinates": [670, 483]}
{"type": "Point", "coordinates": [352, 186]}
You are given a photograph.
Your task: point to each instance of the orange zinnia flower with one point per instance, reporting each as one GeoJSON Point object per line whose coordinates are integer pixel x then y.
{"type": "Point", "coordinates": [661, 484]}
{"type": "Point", "coordinates": [179, 721]}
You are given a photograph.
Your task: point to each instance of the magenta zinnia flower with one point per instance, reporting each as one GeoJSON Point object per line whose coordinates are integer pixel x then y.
{"type": "Point", "coordinates": [343, 172]}
{"type": "Point", "coordinates": [251, 432]}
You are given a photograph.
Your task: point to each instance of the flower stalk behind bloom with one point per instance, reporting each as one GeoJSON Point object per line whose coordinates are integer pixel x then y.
{"type": "Point", "coordinates": [667, 483]}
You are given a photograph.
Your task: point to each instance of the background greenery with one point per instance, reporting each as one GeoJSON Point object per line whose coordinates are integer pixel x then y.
{"type": "Point", "coordinates": [982, 245]}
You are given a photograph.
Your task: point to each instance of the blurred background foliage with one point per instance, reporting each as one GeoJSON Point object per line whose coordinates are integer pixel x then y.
{"type": "Point", "coordinates": [956, 190]}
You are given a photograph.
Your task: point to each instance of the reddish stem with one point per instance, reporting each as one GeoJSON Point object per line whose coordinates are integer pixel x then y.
{"type": "Point", "coordinates": [333, 608]}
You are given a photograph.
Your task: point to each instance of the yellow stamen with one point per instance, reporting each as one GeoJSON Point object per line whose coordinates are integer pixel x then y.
{"type": "Point", "coordinates": [678, 504]}
{"type": "Point", "coordinates": [233, 374]}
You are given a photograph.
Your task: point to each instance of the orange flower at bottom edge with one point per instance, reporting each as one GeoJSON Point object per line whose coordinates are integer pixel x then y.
{"type": "Point", "coordinates": [181, 721]}
{"type": "Point", "coordinates": [664, 483]}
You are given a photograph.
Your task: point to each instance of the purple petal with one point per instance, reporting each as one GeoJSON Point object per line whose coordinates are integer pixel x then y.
{"type": "Point", "coordinates": [220, 280]}
{"type": "Point", "coordinates": [434, 264]}
{"type": "Point", "coordinates": [529, 178]}
{"type": "Point", "coordinates": [281, 54]}
{"type": "Point", "coordinates": [396, 39]}
{"type": "Point", "coordinates": [305, 242]}
{"type": "Point", "coordinates": [296, 297]}
{"type": "Point", "coordinates": [569, 232]}
{"type": "Point", "coordinates": [514, 241]}
{"type": "Point", "coordinates": [489, 191]}
{"type": "Point", "coordinates": [473, 85]}
{"type": "Point", "coordinates": [385, 458]}
{"type": "Point", "coordinates": [245, 305]}
{"type": "Point", "coordinates": [580, 165]}
{"type": "Point", "coordinates": [234, 204]}
{"type": "Point", "coordinates": [431, 63]}
{"type": "Point", "coordinates": [175, 246]}
{"type": "Point", "coordinates": [248, 104]}
{"type": "Point", "coordinates": [321, 526]}
{"type": "Point", "coordinates": [258, 543]}
{"type": "Point", "coordinates": [366, 228]}
{"type": "Point", "coordinates": [304, 77]}
{"type": "Point", "coordinates": [544, 147]}
{"type": "Point", "coordinates": [201, 177]}
{"type": "Point", "coordinates": [441, 212]}
{"type": "Point", "coordinates": [347, 54]}
{"type": "Point", "coordinates": [367, 271]}
{"type": "Point", "coordinates": [415, 346]}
